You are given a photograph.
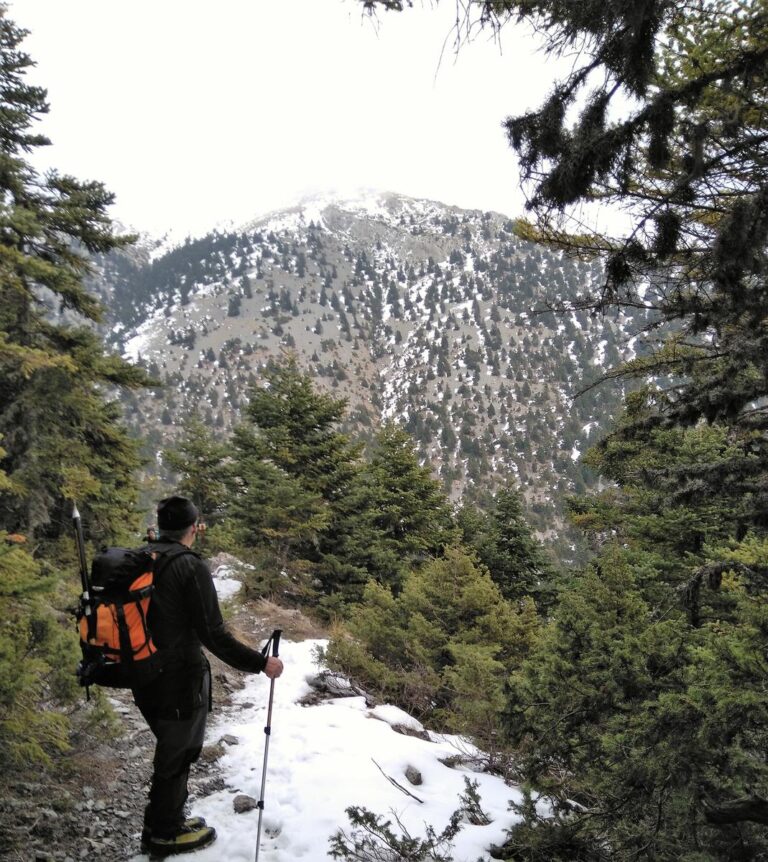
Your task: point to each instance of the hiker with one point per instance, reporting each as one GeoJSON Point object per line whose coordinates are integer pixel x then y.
{"type": "Point", "coordinates": [151, 534]}
{"type": "Point", "coordinates": [184, 615]}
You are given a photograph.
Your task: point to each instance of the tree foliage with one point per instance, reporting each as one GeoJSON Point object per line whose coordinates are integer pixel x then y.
{"type": "Point", "coordinates": [70, 445]}
{"type": "Point", "coordinates": [204, 466]}
{"type": "Point", "coordinates": [294, 470]}
{"type": "Point", "coordinates": [663, 119]}
{"type": "Point", "coordinates": [398, 515]}
{"type": "Point", "coordinates": [443, 647]}
{"type": "Point", "coordinates": [641, 712]}
{"type": "Point", "coordinates": [507, 547]}
{"type": "Point", "coordinates": [61, 434]}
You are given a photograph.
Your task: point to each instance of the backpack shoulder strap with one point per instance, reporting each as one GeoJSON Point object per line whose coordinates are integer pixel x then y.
{"type": "Point", "coordinates": [168, 554]}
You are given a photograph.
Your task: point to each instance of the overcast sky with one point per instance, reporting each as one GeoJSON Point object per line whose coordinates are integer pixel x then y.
{"type": "Point", "coordinates": [196, 114]}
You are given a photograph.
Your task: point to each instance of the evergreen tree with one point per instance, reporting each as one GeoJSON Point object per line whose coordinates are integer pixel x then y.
{"type": "Point", "coordinates": [71, 445]}
{"type": "Point", "coordinates": [442, 648]}
{"type": "Point", "coordinates": [36, 660]}
{"type": "Point", "coordinates": [507, 547]}
{"type": "Point", "coordinates": [204, 468]}
{"type": "Point", "coordinates": [400, 516]}
{"type": "Point", "coordinates": [294, 428]}
{"type": "Point", "coordinates": [61, 434]}
{"type": "Point", "coordinates": [271, 510]}
{"type": "Point", "coordinates": [681, 156]}
{"type": "Point", "coordinates": [646, 696]}
{"type": "Point", "coordinates": [631, 705]}
{"type": "Point", "coordinates": [233, 306]}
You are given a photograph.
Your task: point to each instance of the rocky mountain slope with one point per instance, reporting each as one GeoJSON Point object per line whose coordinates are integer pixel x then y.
{"type": "Point", "coordinates": [412, 310]}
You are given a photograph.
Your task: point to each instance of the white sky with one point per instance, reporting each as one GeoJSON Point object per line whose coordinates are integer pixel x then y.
{"type": "Point", "coordinates": [196, 114]}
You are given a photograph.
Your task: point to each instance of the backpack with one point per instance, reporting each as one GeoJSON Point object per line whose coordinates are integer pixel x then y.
{"type": "Point", "coordinates": [116, 643]}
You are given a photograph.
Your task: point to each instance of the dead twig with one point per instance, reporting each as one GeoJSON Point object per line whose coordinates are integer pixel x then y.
{"type": "Point", "coordinates": [398, 786]}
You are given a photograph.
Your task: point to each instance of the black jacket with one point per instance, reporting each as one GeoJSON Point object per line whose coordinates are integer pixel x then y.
{"type": "Point", "coordinates": [184, 615]}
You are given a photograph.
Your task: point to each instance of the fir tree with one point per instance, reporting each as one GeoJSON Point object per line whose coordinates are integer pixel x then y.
{"type": "Point", "coordinates": [646, 693]}
{"type": "Point", "coordinates": [70, 446]}
{"type": "Point", "coordinates": [60, 431]}
{"type": "Point", "coordinates": [294, 428]}
{"type": "Point", "coordinates": [506, 545]}
{"type": "Point", "coordinates": [442, 648]}
{"type": "Point", "coordinates": [204, 467]}
{"type": "Point", "coordinates": [398, 514]}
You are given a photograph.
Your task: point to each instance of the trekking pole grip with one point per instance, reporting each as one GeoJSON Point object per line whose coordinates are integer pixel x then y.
{"type": "Point", "coordinates": [274, 642]}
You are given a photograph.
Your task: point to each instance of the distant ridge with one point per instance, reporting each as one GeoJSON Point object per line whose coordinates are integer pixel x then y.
{"type": "Point", "coordinates": [413, 310]}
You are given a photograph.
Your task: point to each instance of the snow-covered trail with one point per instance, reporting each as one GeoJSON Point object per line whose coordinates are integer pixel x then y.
{"type": "Point", "coordinates": [321, 761]}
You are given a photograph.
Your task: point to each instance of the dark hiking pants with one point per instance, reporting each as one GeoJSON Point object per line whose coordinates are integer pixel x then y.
{"type": "Point", "coordinates": [179, 734]}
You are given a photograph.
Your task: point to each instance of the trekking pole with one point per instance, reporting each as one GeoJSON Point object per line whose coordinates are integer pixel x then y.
{"type": "Point", "coordinates": [86, 602]}
{"type": "Point", "coordinates": [275, 641]}
{"type": "Point", "coordinates": [83, 563]}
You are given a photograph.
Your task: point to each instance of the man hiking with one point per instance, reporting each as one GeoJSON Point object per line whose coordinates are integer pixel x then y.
{"type": "Point", "coordinates": [184, 616]}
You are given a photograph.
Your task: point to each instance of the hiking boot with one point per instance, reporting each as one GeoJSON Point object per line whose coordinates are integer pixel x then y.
{"type": "Point", "coordinates": [185, 840]}
{"type": "Point", "coordinates": [189, 823]}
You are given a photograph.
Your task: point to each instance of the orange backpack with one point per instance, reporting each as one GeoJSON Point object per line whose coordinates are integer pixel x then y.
{"type": "Point", "coordinates": [115, 639]}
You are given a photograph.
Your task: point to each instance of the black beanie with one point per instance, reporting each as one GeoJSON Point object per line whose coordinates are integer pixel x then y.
{"type": "Point", "coordinates": [176, 513]}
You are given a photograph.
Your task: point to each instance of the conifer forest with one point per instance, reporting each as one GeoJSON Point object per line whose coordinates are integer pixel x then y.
{"type": "Point", "coordinates": [517, 468]}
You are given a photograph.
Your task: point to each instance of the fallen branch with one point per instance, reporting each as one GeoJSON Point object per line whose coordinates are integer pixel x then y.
{"type": "Point", "coordinates": [398, 786]}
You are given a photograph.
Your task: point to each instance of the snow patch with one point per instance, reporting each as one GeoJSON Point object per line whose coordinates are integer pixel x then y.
{"type": "Point", "coordinates": [326, 758]}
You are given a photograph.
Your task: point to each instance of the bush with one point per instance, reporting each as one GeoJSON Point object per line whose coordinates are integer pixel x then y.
{"type": "Point", "coordinates": [443, 648]}
{"type": "Point", "coordinates": [373, 839]}
{"type": "Point", "coordinates": [37, 662]}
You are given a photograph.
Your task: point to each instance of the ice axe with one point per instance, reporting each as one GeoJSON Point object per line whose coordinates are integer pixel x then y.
{"type": "Point", "coordinates": [275, 641]}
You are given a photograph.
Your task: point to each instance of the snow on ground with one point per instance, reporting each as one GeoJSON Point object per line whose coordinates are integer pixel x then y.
{"type": "Point", "coordinates": [226, 582]}
{"type": "Point", "coordinates": [321, 761]}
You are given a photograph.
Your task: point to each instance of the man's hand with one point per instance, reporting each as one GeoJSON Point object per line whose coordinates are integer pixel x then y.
{"type": "Point", "coordinates": [273, 668]}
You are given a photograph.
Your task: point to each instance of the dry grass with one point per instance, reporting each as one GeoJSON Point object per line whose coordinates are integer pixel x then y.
{"type": "Point", "coordinates": [259, 619]}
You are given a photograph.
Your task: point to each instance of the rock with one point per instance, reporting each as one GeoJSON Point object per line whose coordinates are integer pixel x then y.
{"type": "Point", "coordinates": [228, 739]}
{"type": "Point", "coordinates": [414, 776]}
{"type": "Point", "coordinates": [327, 684]}
{"type": "Point", "coordinates": [242, 803]}
{"type": "Point", "coordinates": [211, 753]}
{"type": "Point", "coordinates": [407, 730]}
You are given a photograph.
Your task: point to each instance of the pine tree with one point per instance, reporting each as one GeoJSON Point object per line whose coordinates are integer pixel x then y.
{"type": "Point", "coordinates": [293, 427]}
{"type": "Point", "coordinates": [61, 433]}
{"type": "Point", "coordinates": [506, 545]}
{"type": "Point", "coordinates": [36, 660]}
{"type": "Point", "coordinates": [204, 467]}
{"type": "Point", "coordinates": [443, 648]}
{"type": "Point", "coordinates": [646, 696]}
{"type": "Point", "coordinates": [70, 445]}
{"type": "Point", "coordinates": [271, 510]}
{"type": "Point", "coordinates": [401, 516]}
{"type": "Point", "coordinates": [628, 702]}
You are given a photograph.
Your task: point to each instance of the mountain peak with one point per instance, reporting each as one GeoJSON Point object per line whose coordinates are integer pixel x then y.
{"type": "Point", "coordinates": [366, 202]}
{"type": "Point", "coordinates": [412, 310]}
